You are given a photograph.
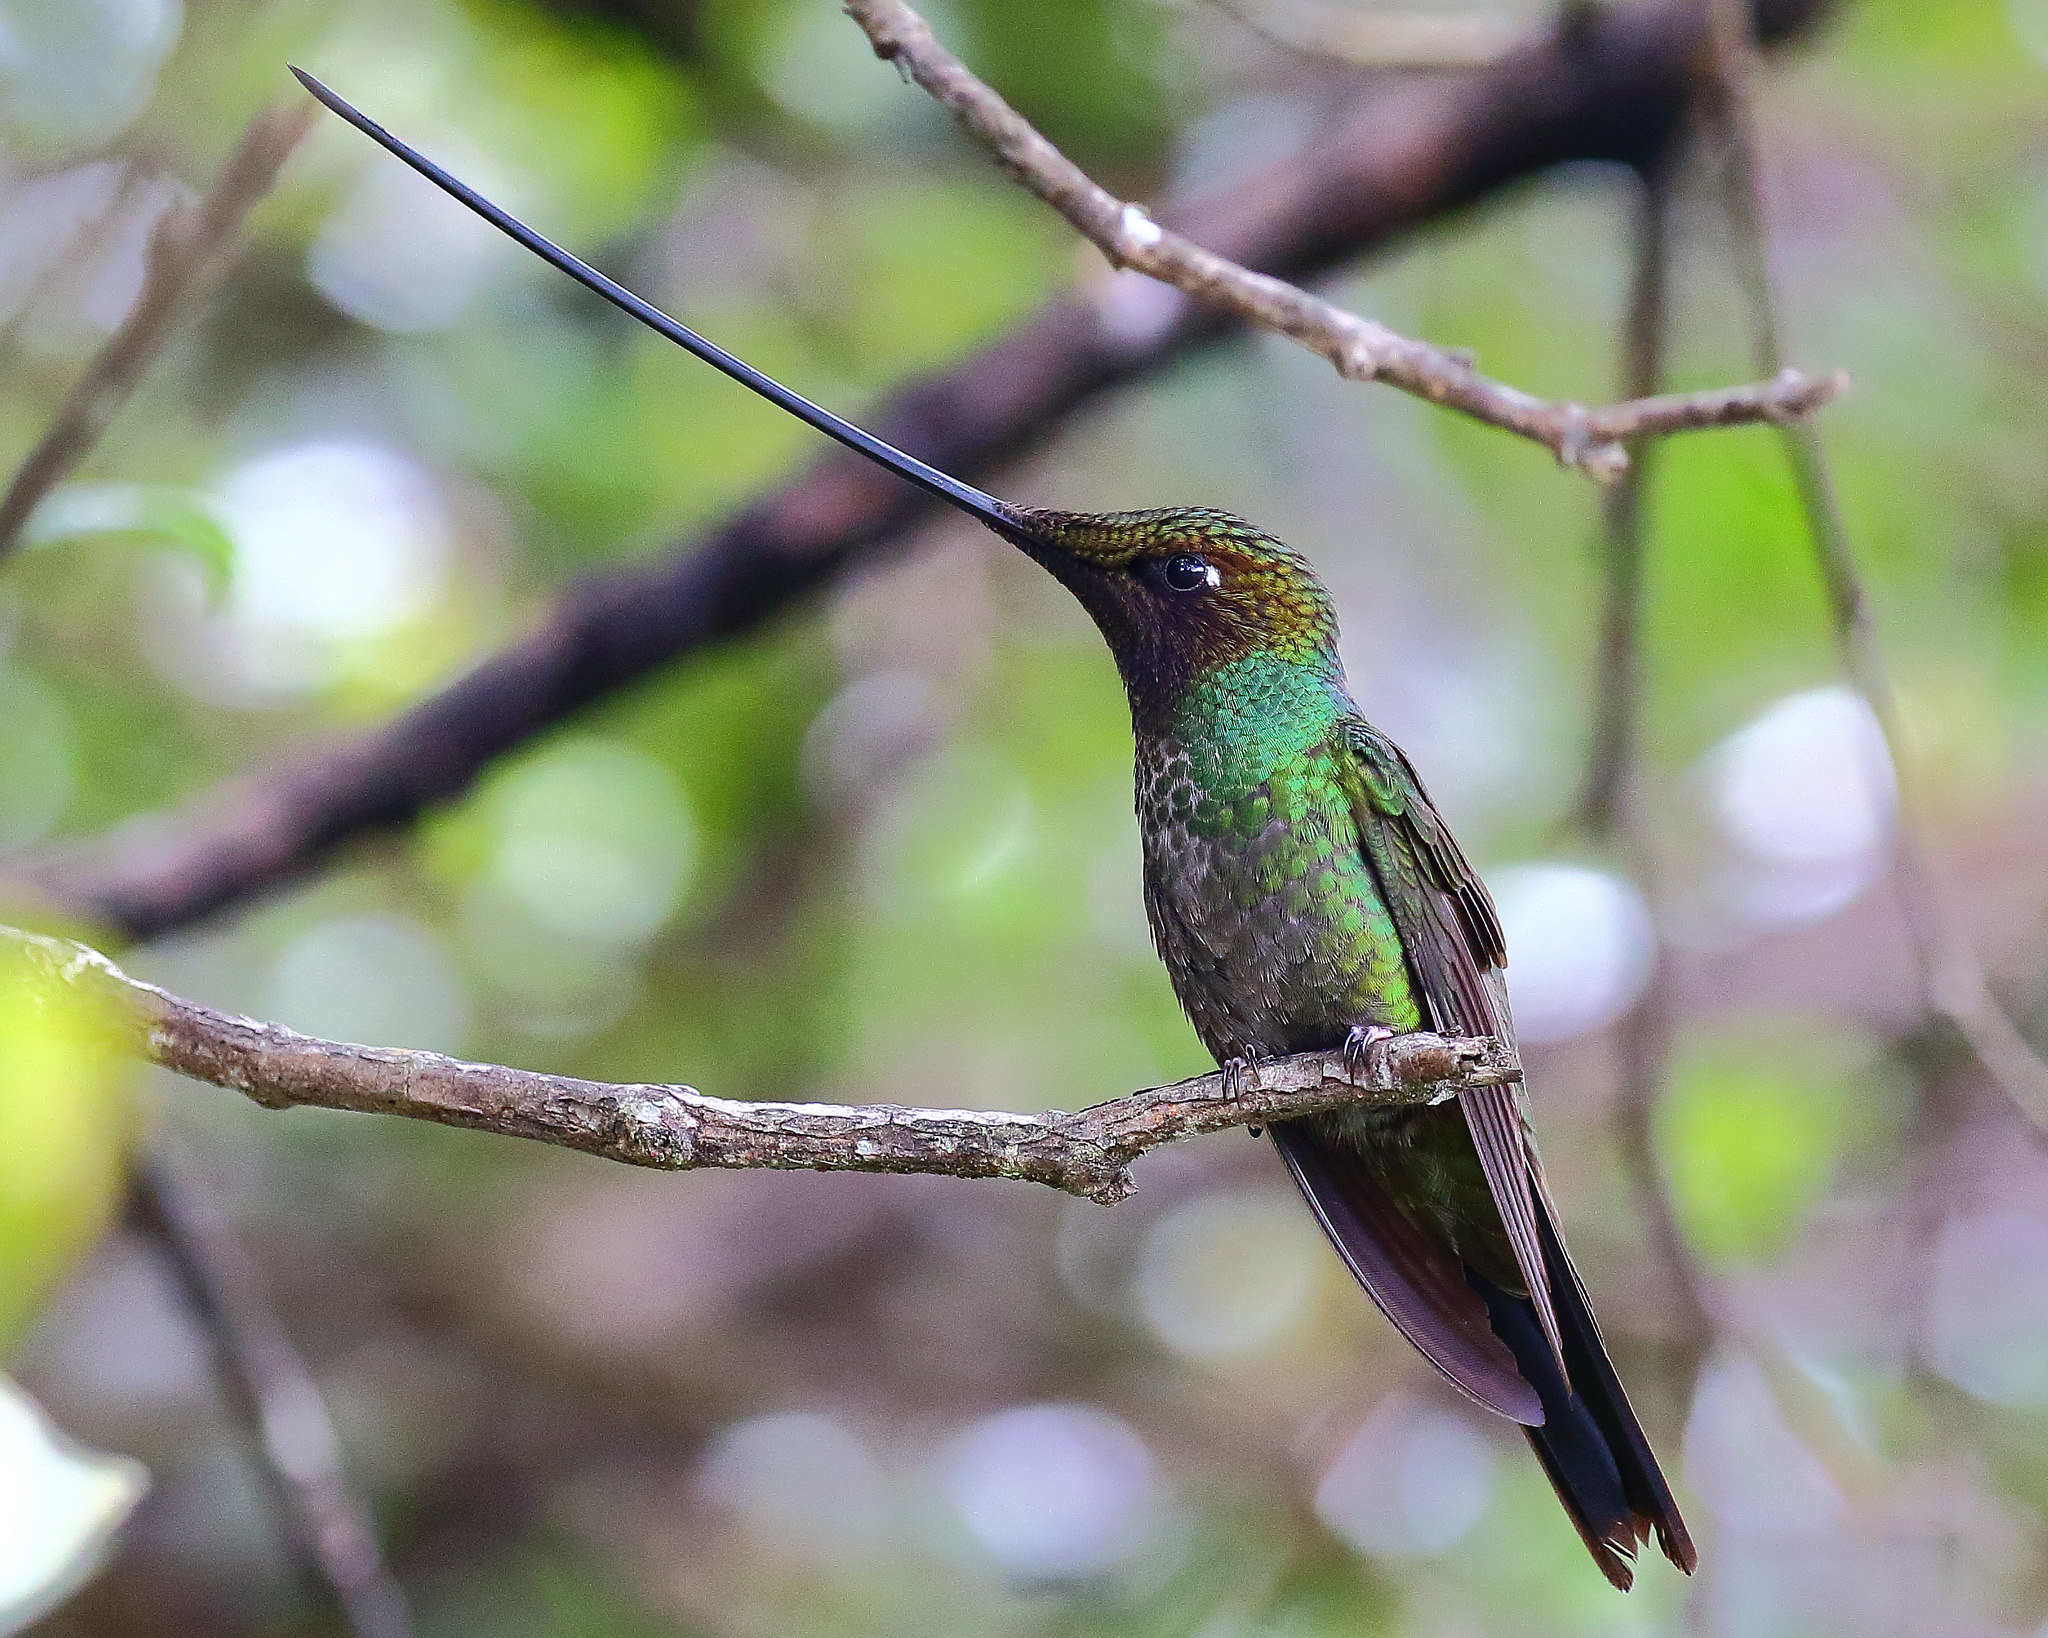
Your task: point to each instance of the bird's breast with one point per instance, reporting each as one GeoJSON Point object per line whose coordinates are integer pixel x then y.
{"type": "Point", "coordinates": [1262, 902]}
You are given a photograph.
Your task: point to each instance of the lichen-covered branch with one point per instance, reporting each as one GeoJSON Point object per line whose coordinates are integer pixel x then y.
{"type": "Point", "coordinates": [678, 1128]}
{"type": "Point", "coordinates": [191, 247]}
{"type": "Point", "coordinates": [1362, 349]}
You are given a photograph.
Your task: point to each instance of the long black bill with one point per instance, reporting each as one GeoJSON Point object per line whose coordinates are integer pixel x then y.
{"type": "Point", "coordinates": [996, 514]}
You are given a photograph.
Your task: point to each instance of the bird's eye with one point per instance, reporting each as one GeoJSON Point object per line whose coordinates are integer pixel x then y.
{"type": "Point", "coordinates": [1187, 573]}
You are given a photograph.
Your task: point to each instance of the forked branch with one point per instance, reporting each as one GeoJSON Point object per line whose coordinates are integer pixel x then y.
{"type": "Point", "coordinates": [1362, 349]}
{"type": "Point", "coordinates": [678, 1128]}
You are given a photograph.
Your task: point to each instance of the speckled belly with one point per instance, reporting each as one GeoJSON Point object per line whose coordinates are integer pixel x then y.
{"type": "Point", "coordinates": [1265, 911]}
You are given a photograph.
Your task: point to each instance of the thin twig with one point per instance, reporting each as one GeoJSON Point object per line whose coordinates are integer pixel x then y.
{"type": "Point", "coordinates": [1617, 687]}
{"type": "Point", "coordinates": [1611, 810]}
{"type": "Point", "coordinates": [1951, 978]}
{"type": "Point", "coordinates": [1362, 349]}
{"type": "Point", "coordinates": [1378, 39]}
{"type": "Point", "coordinates": [273, 1395]}
{"type": "Point", "coordinates": [1708, 1310]}
{"type": "Point", "coordinates": [190, 248]}
{"type": "Point", "coordinates": [677, 1128]}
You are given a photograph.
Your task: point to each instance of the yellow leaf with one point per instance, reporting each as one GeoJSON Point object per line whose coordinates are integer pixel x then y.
{"type": "Point", "coordinates": [65, 1124]}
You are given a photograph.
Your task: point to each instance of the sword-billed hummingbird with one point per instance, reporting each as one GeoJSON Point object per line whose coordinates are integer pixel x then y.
{"type": "Point", "coordinates": [1306, 896]}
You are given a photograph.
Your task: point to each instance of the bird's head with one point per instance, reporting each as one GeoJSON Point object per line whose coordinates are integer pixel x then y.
{"type": "Point", "coordinates": [1181, 592]}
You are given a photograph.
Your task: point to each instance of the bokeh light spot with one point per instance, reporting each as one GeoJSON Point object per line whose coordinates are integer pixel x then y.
{"type": "Point", "coordinates": [1229, 1274]}
{"type": "Point", "coordinates": [1053, 1492]}
{"type": "Point", "coordinates": [43, 222]}
{"type": "Point", "coordinates": [1580, 946]}
{"type": "Point", "coordinates": [334, 540]}
{"type": "Point", "coordinates": [1750, 1133]}
{"type": "Point", "coordinates": [73, 73]}
{"type": "Point", "coordinates": [1806, 794]}
{"type": "Point", "coordinates": [594, 840]}
{"type": "Point", "coordinates": [1987, 1319]}
{"type": "Point", "coordinates": [956, 833]}
{"type": "Point", "coordinates": [399, 255]}
{"type": "Point", "coordinates": [376, 979]}
{"type": "Point", "coordinates": [1411, 1481]}
{"type": "Point", "coordinates": [802, 1484]}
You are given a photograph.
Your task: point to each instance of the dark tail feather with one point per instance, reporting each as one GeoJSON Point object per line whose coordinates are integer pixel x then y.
{"type": "Point", "coordinates": [1590, 1443]}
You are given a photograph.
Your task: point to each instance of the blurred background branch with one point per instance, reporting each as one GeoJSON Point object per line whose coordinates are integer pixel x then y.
{"type": "Point", "coordinates": [1611, 762]}
{"type": "Point", "coordinates": [1610, 806]}
{"type": "Point", "coordinates": [190, 250]}
{"type": "Point", "coordinates": [272, 1396]}
{"type": "Point", "coordinates": [1612, 813]}
{"type": "Point", "coordinates": [1379, 39]}
{"type": "Point", "coordinates": [1951, 977]}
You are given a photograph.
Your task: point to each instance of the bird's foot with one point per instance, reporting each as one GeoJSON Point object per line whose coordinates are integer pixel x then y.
{"type": "Point", "coordinates": [1358, 1045]}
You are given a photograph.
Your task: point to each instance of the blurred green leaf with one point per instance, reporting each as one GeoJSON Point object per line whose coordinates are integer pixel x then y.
{"type": "Point", "coordinates": [65, 1123]}
{"type": "Point", "coordinates": [148, 513]}
{"type": "Point", "coordinates": [1078, 70]}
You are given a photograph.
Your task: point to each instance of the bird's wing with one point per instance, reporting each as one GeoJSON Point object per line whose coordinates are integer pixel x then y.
{"type": "Point", "coordinates": [1453, 941]}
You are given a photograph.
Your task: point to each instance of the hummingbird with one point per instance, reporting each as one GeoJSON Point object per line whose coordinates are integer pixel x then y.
{"type": "Point", "coordinates": [1305, 895]}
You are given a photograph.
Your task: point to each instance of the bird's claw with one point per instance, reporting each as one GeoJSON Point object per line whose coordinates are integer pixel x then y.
{"type": "Point", "coordinates": [1358, 1045]}
{"type": "Point", "coordinates": [1238, 1070]}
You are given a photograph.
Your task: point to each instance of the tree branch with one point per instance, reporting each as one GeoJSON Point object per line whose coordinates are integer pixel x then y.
{"type": "Point", "coordinates": [1613, 88]}
{"type": "Point", "coordinates": [1362, 349]}
{"type": "Point", "coordinates": [677, 1128]}
{"type": "Point", "coordinates": [190, 249]}
{"type": "Point", "coordinates": [274, 1397]}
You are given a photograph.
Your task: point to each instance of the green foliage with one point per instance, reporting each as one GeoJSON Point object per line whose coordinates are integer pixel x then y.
{"type": "Point", "coordinates": [591, 108]}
